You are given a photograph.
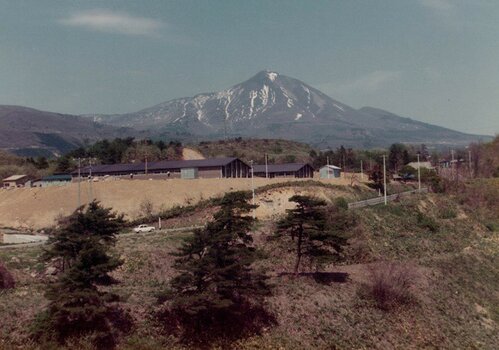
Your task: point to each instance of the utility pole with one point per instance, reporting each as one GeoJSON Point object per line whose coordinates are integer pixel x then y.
{"type": "Point", "coordinates": [328, 167]}
{"type": "Point", "coordinates": [91, 181]}
{"type": "Point", "coordinates": [419, 175]}
{"type": "Point", "coordinates": [361, 171]}
{"type": "Point", "coordinates": [469, 164]}
{"type": "Point", "coordinates": [384, 177]}
{"type": "Point", "coordinates": [452, 163]}
{"type": "Point", "coordinates": [79, 182]}
{"type": "Point", "coordinates": [252, 187]}
{"type": "Point", "coordinates": [266, 166]}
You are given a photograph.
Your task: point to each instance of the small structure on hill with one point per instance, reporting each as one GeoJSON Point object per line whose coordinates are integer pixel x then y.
{"type": "Point", "coordinates": [55, 180]}
{"type": "Point", "coordinates": [330, 172]}
{"type": "Point", "coordinates": [300, 170]}
{"type": "Point", "coordinates": [15, 181]}
{"type": "Point", "coordinates": [423, 165]}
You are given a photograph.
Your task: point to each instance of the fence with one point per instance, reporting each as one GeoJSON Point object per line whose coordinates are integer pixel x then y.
{"type": "Point", "coordinates": [379, 200]}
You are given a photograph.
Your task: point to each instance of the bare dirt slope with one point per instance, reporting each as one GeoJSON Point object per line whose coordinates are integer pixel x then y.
{"type": "Point", "coordinates": [191, 154]}
{"type": "Point", "coordinates": [35, 208]}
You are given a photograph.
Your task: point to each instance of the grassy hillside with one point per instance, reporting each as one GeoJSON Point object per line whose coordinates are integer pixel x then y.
{"type": "Point", "coordinates": [278, 151]}
{"type": "Point", "coordinates": [444, 245]}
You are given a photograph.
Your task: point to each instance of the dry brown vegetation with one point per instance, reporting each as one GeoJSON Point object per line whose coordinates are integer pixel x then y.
{"type": "Point", "coordinates": [390, 284]}
{"type": "Point", "coordinates": [436, 289]}
{"type": "Point", "coordinates": [6, 278]}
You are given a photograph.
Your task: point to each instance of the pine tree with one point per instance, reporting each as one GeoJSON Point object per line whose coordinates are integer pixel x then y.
{"type": "Point", "coordinates": [77, 306]}
{"type": "Point", "coordinates": [376, 175]}
{"type": "Point", "coordinates": [216, 287]}
{"type": "Point", "coordinates": [306, 226]}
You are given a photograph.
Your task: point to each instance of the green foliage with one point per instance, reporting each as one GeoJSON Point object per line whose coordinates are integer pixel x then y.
{"type": "Point", "coordinates": [39, 162]}
{"type": "Point", "coordinates": [492, 226]}
{"type": "Point", "coordinates": [341, 203]}
{"type": "Point", "coordinates": [77, 306]}
{"type": "Point", "coordinates": [427, 222]}
{"type": "Point", "coordinates": [447, 213]}
{"type": "Point", "coordinates": [216, 289]}
{"type": "Point", "coordinates": [407, 169]}
{"type": "Point", "coordinates": [397, 157]}
{"type": "Point", "coordinates": [312, 238]}
{"type": "Point", "coordinates": [65, 165]}
{"type": "Point", "coordinates": [437, 184]}
{"type": "Point", "coordinates": [127, 150]}
{"type": "Point", "coordinates": [376, 176]}
{"type": "Point", "coordinates": [278, 151]}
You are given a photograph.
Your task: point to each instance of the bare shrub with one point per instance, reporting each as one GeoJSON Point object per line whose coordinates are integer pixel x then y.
{"type": "Point", "coordinates": [146, 208]}
{"type": "Point", "coordinates": [6, 278]}
{"type": "Point", "coordinates": [390, 285]}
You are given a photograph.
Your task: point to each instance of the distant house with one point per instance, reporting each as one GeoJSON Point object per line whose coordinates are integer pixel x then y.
{"type": "Point", "coordinates": [199, 168]}
{"type": "Point", "coordinates": [448, 163]}
{"type": "Point", "coordinates": [423, 165]}
{"type": "Point", "coordinates": [55, 180]}
{"type": "Point", "coordinates": [330, 172]}
{"type": "Point", "coordinates": [300, 170]}
{"type": "Point", "coordinates": [15, 181]}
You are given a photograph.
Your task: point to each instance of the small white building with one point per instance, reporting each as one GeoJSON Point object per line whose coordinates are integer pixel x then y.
{"type": "Point", "coordinates": [330, 172]}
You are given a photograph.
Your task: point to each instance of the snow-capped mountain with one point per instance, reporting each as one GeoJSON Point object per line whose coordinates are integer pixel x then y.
{"type": "Point", "coordinates": [273, 105]}
{"type": "Point", "coordinates": [268, 97]}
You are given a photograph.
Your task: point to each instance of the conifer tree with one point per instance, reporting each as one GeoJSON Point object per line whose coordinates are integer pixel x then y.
{"type": "Point", "coordinates": [306, 226]}
{"type": "Point", "coordinates": [216, 284]}
{"type": "Point", "coordinates": [77, 306]}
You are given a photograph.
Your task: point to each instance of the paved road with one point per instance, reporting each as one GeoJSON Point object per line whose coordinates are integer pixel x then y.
{"type": "Point", "coordinates": [168, 230]}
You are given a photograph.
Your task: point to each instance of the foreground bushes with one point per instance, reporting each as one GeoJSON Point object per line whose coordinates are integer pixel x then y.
{"type": "Point", "coordinates": [390, 285]}
{"type": "Point", "coordinates": [6, 278]}
{"type": "Point", "coordinates": [216, 293]}
{"type": "Point", "coordinates": [78, 305]}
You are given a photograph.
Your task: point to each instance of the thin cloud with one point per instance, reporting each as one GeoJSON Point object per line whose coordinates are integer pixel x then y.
{"type": "Point", "coordinates": [107, 21]}
{"type": "Point", "coordinates": [370, 82]}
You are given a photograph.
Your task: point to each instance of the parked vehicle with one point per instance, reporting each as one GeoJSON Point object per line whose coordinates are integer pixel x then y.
{"type": "Point", "coordinates": [143, 228]}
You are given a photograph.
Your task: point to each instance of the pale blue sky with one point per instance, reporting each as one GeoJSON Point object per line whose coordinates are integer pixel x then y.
{"type": "Point", "coordinates": [432, 60]}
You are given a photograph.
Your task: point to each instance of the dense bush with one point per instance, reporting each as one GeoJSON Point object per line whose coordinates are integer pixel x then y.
{"type": "Point", "coordinates": [427, 222]}
{"type": "Point", "coordinates": [78, 307]}
{"type": "Point", "coordinates": [6, 278]}
{"type": "Point", "coordinates": [341, 203]}
{"type": "Point", "coordinates": [216, 293]}
{"type": "Point", "coordinates": [447, 213]}
{"type": "Point", "coordinates": [390, 285]}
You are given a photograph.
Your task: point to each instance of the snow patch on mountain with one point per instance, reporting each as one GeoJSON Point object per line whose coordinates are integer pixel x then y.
{"type": "Point", "coordinates": [272, 76]}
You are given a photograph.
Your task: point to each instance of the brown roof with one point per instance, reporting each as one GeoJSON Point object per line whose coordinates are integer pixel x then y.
{"type": "Point", "coordinates": [280, 168]}
{"type": "Point", "coordinates": [164, 165]}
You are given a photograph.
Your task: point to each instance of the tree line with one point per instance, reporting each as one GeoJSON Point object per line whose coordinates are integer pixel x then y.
{"type": "Point", "coordinates": [216, 293]}
{"type": "Point", "coordinates": [127, 150]}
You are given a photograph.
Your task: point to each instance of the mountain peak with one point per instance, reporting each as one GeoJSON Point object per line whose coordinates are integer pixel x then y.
{"type": "Point", "coordinates": [269, 104]}
{"type": "Point", "coordinates": [266, 74]}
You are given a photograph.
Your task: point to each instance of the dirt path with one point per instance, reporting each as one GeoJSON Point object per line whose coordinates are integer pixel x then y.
{"type": "Point", "coordinates": [191, 154]}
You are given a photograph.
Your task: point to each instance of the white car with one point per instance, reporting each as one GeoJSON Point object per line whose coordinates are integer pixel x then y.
{"type": "Point", "coordinates": [143, 228]}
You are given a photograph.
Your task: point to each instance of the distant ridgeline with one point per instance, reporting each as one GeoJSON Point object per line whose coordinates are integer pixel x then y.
{"type": "Point", "coordinates": [268, 105]}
